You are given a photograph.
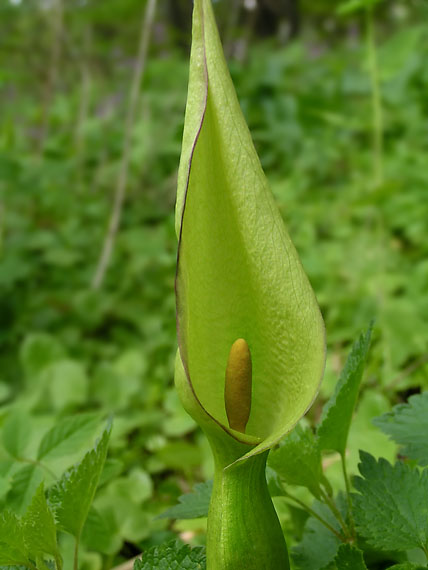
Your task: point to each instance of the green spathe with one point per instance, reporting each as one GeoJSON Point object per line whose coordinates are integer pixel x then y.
{"type": "Point", "coordinates": [238, 273]}
{"type": "Point", "coordinates": [245, 311]}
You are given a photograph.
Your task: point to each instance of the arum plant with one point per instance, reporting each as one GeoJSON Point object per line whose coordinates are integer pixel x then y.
{"type": "Point", "coordinates": [250, 334]}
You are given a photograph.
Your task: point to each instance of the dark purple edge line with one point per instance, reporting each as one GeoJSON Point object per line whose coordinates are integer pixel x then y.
{"type": "Point", "coordinates": [177, 296]}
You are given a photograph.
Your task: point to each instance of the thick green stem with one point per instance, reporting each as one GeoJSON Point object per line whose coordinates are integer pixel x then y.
{"type": "Point", "coordinates": [243, 528]}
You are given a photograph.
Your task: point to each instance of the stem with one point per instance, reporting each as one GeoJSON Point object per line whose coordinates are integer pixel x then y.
{"type": "Point", "coordinates": [76, 553]}
{"type": "Point", "coordinates": [113, 227]}
{"type": "Point", "coordinates": [243, 529]}
{"type": "Point", "coordinates": [58, 562]}
{"type": "Point", "coordinates": [348, 494]}
{"type": "Point", "coordinates": [376, 99]}
{"type": "Point", "coordinates": [37, 464]}
{"type": "Point", "coordinates": [330, 503]}
{"type": "Point", "coordinates": [314, 514]}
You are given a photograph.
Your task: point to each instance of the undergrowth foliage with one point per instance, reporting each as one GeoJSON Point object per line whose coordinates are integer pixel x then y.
{"type": "Point", "coordinates": [384, 519]}
{"type": "Point", "coordinates": [353, 194]}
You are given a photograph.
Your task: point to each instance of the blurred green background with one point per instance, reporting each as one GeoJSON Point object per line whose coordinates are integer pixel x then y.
{"type": "Point", "coordinates": [92, 96]}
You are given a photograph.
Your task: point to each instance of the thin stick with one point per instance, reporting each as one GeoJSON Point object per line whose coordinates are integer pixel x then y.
{"type": "Point", "coordinates": [57, 26]}
{"type": "Point", "coordinates": [84, 102]}
{"type": "Point", "coordinates": [113, 227]}
{"type": "Point", "coordinates": [315, 515]}
{"type": "Point", "coordinates": [376, 100]}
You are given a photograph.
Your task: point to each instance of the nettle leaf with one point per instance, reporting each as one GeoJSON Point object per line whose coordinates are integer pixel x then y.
{"type": "Point", "coordinates": [192, 505]}
{"type": "Point", "coordinates": [319, 545]}
{"type": "Point", "coordinates": [407, 425]}
{"type": "Point", "coordinates": [337, 413]}
{"type": "Point", "coordinates": [348, 557]}
{"type": "Point", "coordinates": [71, 497]}
{"type": "Point", "coordinates": [172, 556]}
{"type": "Point", "coordinates": [298, 460]}
{"type": "Point", "coordinates": [67, 436]}
{"type": "Point", "coordinates": [39, 527]}
{"type": "Point", "coordinates": [12, 546]}
{"type": "Point", "coordinates": [238, 273]}
{"type": "Point", "coordinates": [391, 508]}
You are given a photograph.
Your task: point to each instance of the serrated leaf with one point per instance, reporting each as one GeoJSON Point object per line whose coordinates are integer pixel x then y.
{"type": "Point", "coordinates": [298, 460]}
{"type": "Point", "coordinates": [391, 507]}
{"type": "Point", "coordinates": [67, 436]}
{"type": "Point", "coordinates": [319, 545]}
{"type": "Point", "coordinates": [337, 413]}
{"type": "Point", "coordinates": [407, 425]}
{"type": "Point", "coordinates": [12, 546]}
{"type": "Point", "coordinates": [172, 556]}
{"type": "Point", "coordinates": [348, 557]}
{"type": "Point", "coordinates": [24, 485]}
{"type": "Point", "coordinates": [39, 527]}
{"type": "Point", "coordinates": [71, 497]}
{"type": "Point", "coordinates": [238, 273]}
{"type": "Point", "coordinates": [192, 505]}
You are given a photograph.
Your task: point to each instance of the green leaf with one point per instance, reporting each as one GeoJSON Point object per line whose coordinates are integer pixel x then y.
{"type": "Point", "coordinates": [39, 527]}
{"type": "Point", "coordinates": [67, 383]}
{"type": "Point", "coordinates": [351, 6]}
{"type": "Point", "coordinates": [407, 425]}
{"type": "Point", "coordinates": [319, 545]}
{"type": "Point", "coordinates": [337, 413]}
{"type": "Point", "coordinates": [16, 433]}
{"type": "Point", "coordinates": [37, 351]}
{"type": "Point", "coordinates": [24, 485]}
{"type": "Point", "coordinates": [12, 546]}
{"type": "Point", "coordinates": [71, 497]}
{"type": "Point", "coordinates": [298, 460]}
{"type": "Point", "coordinates": [192, 505]}
{"type": "Point", "coordinates": [407, 566]}
{"type": "Point", "coordinates": [100, 533]}
{"type": "Point", "coordinates": [348, 557]}
{"type": "Point", "coordinates": [172, 556]}
{"type": "Point", "coordinates": [67, 436]}
{"type": "Point", "coordinates": [238, 274]}
{"type": "Point", "coordinates": [391, 508]}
